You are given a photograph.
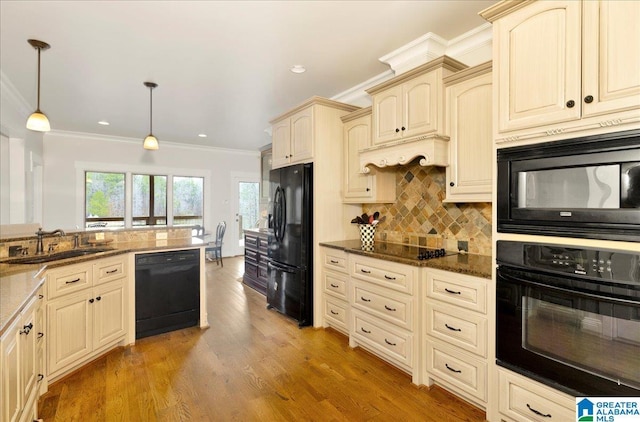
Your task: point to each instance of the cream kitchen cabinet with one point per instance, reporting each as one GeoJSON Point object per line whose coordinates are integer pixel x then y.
{"type": "Point", "coordinates": [85, 312]}
{"type": "Point", "coordinates": [411, 104]}
{"type": "Point", "coordinates": [455, 323]}
{"type": "Point", "coordinates": [359, 187]}
{"type": "Point", "coordinates": [469, 120]}
{"type": "Point", "coordinates": [294, 134]}
{"type": "Point", "coordinates": [335, 283]}
{"type": "Point", "coordinates": [565, 66]}
{"type": "Point", "coordinates": [524, 400]}
{"type": "Point", "coordinates": [383, 305]}
{"type": "Point", "coordinates": [20, 371]}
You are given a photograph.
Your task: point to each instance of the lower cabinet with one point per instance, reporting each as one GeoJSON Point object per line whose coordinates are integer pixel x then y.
{"type": "Point", "coordinates": [335, 286]}
{"type": "Point", "coordinates": [20, 365]}
{"type": "Point", "coordinates": [524, 400]}
{"type": "Point", "coordinates": [85, 312]}
{"type": "Point", "coordinates": [255, 260]}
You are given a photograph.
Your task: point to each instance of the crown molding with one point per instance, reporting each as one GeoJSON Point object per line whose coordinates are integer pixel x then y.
{"type": "Point", "coordinates": [417, 52]}
{"type": "Point", "coordinates": [357, 95]}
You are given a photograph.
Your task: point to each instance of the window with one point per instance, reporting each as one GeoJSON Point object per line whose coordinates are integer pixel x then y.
{"type": "Point", "coordinates": [149, 207]}
{"type": "Point", "coordinates": [188, 199]}
{"type": "Point", "coordinates": [104, 199]}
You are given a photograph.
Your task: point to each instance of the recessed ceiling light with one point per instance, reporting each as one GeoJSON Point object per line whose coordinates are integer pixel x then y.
{"type": "Point", "coordinates": [298, 68]}
{"type": "Point", "coordinates": [103, 123]}
{"type": "Point", "coordinates": [202, 135]}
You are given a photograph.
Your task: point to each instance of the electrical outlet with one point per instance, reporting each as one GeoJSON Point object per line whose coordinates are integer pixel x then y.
{"type": "Point", "coordinates": [99, 236]}
{"type": "Point", "coordinates": [161, 236]}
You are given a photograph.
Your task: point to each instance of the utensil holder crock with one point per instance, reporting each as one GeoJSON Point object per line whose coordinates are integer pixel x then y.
{"type": "Point", "coordinates": [367, 233]}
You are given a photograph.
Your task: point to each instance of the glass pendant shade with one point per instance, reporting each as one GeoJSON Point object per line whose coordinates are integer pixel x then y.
{"type": "Point", "coordinates": [150, 142]}
{"type": "Point", "coordinates": [38, 122]}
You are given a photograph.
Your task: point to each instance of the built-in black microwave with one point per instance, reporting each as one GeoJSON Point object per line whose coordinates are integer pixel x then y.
{"type": "Point", "coordinates": [586, 187]}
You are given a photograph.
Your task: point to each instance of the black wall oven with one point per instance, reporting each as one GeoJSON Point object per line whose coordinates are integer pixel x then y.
{"type": "Point", "coordinates": [570, 317]}
{"type": "Point", "coordinates": [585, 187]}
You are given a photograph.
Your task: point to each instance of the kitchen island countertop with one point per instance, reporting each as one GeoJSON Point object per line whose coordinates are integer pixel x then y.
{"type": "Point", "coordinates": [474, 265]}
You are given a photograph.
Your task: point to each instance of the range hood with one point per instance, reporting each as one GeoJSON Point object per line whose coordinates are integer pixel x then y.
{"type": "Point", "coordinates": [433, 148]}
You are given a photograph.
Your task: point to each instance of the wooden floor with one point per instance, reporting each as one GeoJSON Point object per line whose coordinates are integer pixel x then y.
{"type": "Point", "coordinates": [252, 364]}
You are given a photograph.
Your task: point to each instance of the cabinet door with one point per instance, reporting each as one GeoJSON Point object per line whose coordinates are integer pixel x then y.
{"type": "Point", "coordinates": [27, 349]}
{"type": "Point", "coordinates": [70, 329]}
{"type": "Point", "coordinates": [11, 404]}
{"type": "Point", "coordinates": [421, 105]}
{"type": "Point", "coordinates": [357, 134]}
{"type": "Point", "coordinates": [302, 136]}
{"type": "Point", "coordinates": [611, 56]}
{"type": "Point", "coordinates": [538, 65]}
{"type": "Point", "coordinates": [281, 143]}
{"type": "Point", "coordinates": [387, 115]}
{"type": "Point", "coordinates": [108, 314]}
{"type": "Point", "coordinates": [469, 175]}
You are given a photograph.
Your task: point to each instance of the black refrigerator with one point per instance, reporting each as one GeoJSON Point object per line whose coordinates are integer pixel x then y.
{"type": "Point", "coordinates": [290, 252]}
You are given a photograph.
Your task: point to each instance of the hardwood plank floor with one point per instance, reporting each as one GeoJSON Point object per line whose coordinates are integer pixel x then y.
{"type": "Point", "coordinates": [252, 364]}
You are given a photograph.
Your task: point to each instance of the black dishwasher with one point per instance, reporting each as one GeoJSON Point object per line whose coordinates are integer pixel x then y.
{"type": "Point", "coordinates": [167, 291]}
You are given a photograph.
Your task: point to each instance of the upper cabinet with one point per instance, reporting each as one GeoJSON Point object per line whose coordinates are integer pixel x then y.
{"type": "Point", "coordinates": [266, 157]}
{"type": "Point", "coordinates": [360, 187]}
{"type": "Point", "coordinates": [408, 117]}
{"type": "Point", "coordinates": [293, 134]}
{"type": "Point", "coordinates": [469, 120]}
{"type": "Point", "coordinates": [565, 66]}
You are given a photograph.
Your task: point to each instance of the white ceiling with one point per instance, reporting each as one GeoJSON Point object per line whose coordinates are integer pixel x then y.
{"type": "Point", "coordinates": [222, 67]}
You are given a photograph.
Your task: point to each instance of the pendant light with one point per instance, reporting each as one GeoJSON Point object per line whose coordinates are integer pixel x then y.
{"type": "Point", "coordinates": [38, 121]}
{"type": "Point", "coordinates": [150, 142]}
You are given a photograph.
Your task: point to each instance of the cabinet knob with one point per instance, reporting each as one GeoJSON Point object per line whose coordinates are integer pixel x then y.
{"type": "Point", "coordinates": [452, 184]}
{"type": "Point", "coordinates": [99, 297]}
{"type": "Point", "coordinates": [588, 99]}
{"type": "Point", "coordinates": [368, 189]}
{"type": "Point", "coordinates": [571, 103]}
{"type": "Point", "coordinates": [91, 300]}
{"type": "Point", "coordinates": [403, 128]}
{"type": "Point", "coordinates": [397, 130]}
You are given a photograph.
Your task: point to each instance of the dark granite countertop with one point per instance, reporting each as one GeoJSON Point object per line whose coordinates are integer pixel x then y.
{"type": "Point", "coordinates": [474, 265]}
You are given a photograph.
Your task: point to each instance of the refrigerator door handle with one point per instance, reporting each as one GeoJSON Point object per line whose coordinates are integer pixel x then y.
{"type": "Point", "coordinates": [277, 213]}
{"type": "Point", "coordinates": [280, 268]}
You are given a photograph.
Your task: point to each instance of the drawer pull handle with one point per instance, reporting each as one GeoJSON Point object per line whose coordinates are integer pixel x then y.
{"type": "Point", "coordinates": [334, 312]}
{"type": "Point", "coordinates": [334, 262]}
{"type": "Point", "coordinates": [453, 292]}
{"type": "Point", "coordinates": [389, 278]}
{"type": "Point", "coordinates": [537, 412]}
{"type": "Point", "coordinates": [40, 377]}
{"type": "Point", "coordinates": [389, 343]}
{"type": "Point", "coordinates": [335, 286]}
{"type": "Point", "coordinates": [365, 271]}
{"type": "Point", "coordinates": [72, 281]}
{"type": "Point", "coordinates": [112, 271]}
{"type": "Point", "coordinates": [364, 299]}
{"type": "Point", "coordinates": [457, 371]}
{"type": "Point", "coordinates": [452, 328]}
{"type": "Point", "coordinates": [26, 329]}
{"type": "Point", "coordinates": [40, 335]}
{"type": "Point", "coordinates": [40, 296]}
{"type": "Point", "coordinates": [389, 309]}
{"type": "Point", "coordinates": [365, 331]}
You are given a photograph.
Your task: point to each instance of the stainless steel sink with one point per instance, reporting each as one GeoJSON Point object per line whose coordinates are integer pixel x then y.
{"type": "Point", "coordinates": [72, 253]}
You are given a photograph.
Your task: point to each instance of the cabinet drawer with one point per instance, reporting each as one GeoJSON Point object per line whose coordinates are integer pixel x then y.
{"type": "Point", "coordinates": [251, 256]}
{"type": "Point", "coordinates": [457, 289]}
{"type": "Point", "coordinates": [384, 338]}
{"type": "Point", "coordinates": [525, 400]}
{"type": "Point", "coordinates": [335, 260]}
{"type": "Point", "coordinates": [263, 271]}
{"type": "Point", "coordinates": [251, 241]}
{"type": "Point", "coordinates": [388, 274]}
{"type": "Point", "coordinates": [108, 269]}
{"type": "Point", "coordinates": [397, 309]}
{"type": "Point", "coordinates": [463, 329]}
{"type": "Point", "coordinates": [68, 280]}
{"type": "Point", "coordinates": [336, 284]}
{"type": "Point", "coordinates": [335, 312]}
{"type": "Point", "coordinates": [458, 369]}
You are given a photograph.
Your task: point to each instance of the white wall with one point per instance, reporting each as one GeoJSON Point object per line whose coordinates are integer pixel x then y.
{"type": "Point", "coordinates": [66, 153]}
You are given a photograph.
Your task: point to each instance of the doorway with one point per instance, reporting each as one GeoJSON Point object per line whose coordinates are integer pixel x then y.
{"type": "Point", "coordinates": [246, 210]}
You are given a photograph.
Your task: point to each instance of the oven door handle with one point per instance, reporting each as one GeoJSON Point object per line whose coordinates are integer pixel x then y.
{"type": "Point", "coordinates": [509, 276]}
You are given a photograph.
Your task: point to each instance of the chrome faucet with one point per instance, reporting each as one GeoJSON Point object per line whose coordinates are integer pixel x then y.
{"type": "Point", "coordinates": [41, 234]}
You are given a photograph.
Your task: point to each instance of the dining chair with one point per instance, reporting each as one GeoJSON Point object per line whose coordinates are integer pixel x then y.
{"type": "Point", "coordinates": [215, 247]}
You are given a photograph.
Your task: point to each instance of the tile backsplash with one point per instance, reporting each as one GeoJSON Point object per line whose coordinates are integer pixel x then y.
{"type": "Point", "coordinates": [419, 217]}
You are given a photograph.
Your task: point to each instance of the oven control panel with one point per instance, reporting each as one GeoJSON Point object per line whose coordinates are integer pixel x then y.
{"type": "Point", "coordinates": [620, 266]}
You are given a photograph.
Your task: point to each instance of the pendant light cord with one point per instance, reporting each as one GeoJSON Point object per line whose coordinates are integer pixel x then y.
{"type": "Point", "coordinates": [38, 105]}
{"type": "Point", "coordinates": [151, 110]}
